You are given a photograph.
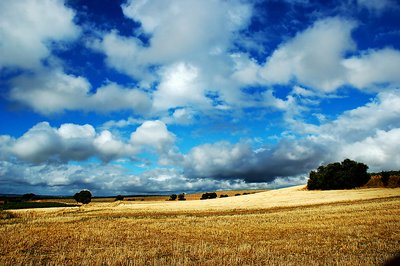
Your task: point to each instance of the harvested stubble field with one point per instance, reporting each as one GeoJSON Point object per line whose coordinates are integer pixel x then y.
{"type": "Point", "coordinates": [281, 227]}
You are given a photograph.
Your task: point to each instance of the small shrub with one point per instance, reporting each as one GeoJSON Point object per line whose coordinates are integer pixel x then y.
{"type": "Point", "coordinates": [223, 196]}
{"type": "Point", "coordinates": [181, 196]}
{"type": "Point", "coordinates": [119, 197]}
{"type": "Point", "coordinates": [173, 197]}
{"type": "Point", "coordinates": [237, 194]}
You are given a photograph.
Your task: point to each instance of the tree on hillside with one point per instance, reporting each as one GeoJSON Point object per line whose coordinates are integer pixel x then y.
{"type": "Point", "coordinates": [345, 175]}
{"type": "Point", "coordinates": [209, 195]}
{"type": "Point", "coordinates": [84, 196]}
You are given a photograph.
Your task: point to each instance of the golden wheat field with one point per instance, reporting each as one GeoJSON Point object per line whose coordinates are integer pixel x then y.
{"type": "Point", "coordinates": [289, 226]}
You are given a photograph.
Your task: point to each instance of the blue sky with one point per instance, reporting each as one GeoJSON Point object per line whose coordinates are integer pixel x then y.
{"type": "Point", "coordinates": [136, 96]}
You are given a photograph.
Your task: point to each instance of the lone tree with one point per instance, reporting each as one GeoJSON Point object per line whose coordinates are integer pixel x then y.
{"type": "Point", "coordinates": [345, 175]}
{"type": "Point", "coordinates": [84, 196]}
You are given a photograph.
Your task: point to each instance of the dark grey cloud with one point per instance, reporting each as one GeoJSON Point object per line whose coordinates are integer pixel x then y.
{"type": "Point", "coordinates": [238, 161]}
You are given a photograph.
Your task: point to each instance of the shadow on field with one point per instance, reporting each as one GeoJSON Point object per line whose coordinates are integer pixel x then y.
{"type": "Point", "coordinates": [395, 261]}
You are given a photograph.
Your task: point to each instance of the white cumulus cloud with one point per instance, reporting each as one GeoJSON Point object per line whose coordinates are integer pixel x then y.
{"type": "Point", "coordinates": [316, 58]}
{"type": "Point", "coordinates": [313, 57]}
{"type": "Point", "coordinates": [28, 28]}
{"type": "Point", "coordinates": [379, 151]}
{"type": "Point", "coordinates": [180, 86]}
{"type": "Point", "coordinates": [53, 91]}
{"type": "Point", "coordinates": [374, 68]}
{"type": "Point", "coordinates": [187, 53]}
{"type": "Point", "coordinates": [181, 29]}
{"type": "Point", "coordinates": [70, 142]}
{"type": "Point", "coordinates": [156, 136]}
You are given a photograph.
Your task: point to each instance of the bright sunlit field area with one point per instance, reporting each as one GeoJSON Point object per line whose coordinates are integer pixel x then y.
{"type": "Point", "coordinates": [290, 226]}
